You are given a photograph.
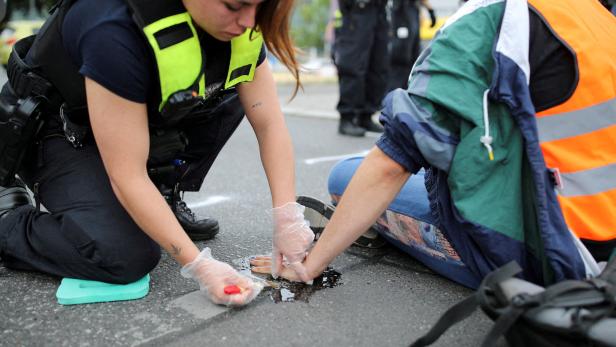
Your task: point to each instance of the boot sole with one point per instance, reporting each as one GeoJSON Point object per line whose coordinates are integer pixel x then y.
{"type": "Point", "coordinates": [203, 236]}
{"type": "Point", "coordinates": [319, 213]}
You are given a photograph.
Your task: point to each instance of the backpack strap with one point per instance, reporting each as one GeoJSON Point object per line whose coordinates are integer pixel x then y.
{"type": "Point", "coordinates": [565, 295]}
{"type": "Point", "coordinates": [609, 273]}
{"type": "Point", "coordinates": [585, 303]}
{"type": "Point", "coordinates": [574, 293]}
{"type": "Point", "coordinates": [455, 314]}
{"type": "Point", "coordinates": [466, 307]}
{"type": "Point", "coordinates": [504, 322]}
{"type": "Point", "coordinates": [508, 315]}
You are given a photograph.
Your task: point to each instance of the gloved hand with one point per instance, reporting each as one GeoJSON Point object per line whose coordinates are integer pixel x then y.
{"type": "Point", "coordinates": [432, 18]}
{"type": "Point", "coordinates": [291, 240]}
{"type": "Point", "coordinates": [213, 276]}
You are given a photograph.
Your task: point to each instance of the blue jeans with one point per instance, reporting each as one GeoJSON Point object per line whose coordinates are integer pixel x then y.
{"type": "Point", "coordinates": [408, 224]}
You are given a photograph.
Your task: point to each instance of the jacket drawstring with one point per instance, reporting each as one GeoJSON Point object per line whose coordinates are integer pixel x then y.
{"type": "Point", "coordinates": [486, 139]}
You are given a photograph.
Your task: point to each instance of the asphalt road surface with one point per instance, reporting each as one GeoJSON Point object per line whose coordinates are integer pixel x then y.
{"type": "Point", "coordinates": [385, 298]}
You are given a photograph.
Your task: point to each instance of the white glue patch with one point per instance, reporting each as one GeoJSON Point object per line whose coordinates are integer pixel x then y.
{"type": "Point", "coordinates": [212, 200]}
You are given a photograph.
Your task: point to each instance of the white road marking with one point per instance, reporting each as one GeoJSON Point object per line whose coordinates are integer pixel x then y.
{"type": "Point", "coordinates": [198, 305]}
{"type": "Point", "coordinates": [154, 337]}
{"type": "Point", "coordinates": [302, 112]}
{"type": "Point", "coordinates": [373, 134]}
{"type": "Point", "coordinates": [312, 161]}
{"type": "Point", "coordinates": [212, 200]}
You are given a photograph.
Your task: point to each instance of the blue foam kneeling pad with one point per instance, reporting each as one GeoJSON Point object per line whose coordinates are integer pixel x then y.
{"type": "Point", "coordinates": [73, 291]}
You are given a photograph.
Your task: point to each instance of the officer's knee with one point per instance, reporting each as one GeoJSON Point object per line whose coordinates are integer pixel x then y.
{"type": "Point", "coordinates": [135, 261]}
{"type": "Point", "coordinates": [121, 255]}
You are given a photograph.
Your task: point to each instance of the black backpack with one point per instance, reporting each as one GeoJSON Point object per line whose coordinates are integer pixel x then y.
{"type": "Point", "coordinates": [569, 313]}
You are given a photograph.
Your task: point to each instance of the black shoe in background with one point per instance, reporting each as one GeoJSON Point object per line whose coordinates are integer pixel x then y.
{"type": "Point", "coordinates": [13, 197]}
{"type": "Point", "coordinates": [366, 122]}
{"type": "Point", "coordinates": [349, 128]}
{"type": "Point", "coordinates": [197, 229]}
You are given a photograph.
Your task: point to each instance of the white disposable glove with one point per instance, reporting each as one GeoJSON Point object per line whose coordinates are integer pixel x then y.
{"type": "Point", "coordinates": [292, 239]}
{"type": "Point", "coordinates": [213, 276]}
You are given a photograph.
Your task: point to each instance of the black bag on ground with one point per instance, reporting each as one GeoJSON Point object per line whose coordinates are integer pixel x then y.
{"type": "Point", "coordinates": [569, 313]}
{"type": "Point", "coordinates": [19, 125]}
{"type": "Point", "coordinates": [28, 95]}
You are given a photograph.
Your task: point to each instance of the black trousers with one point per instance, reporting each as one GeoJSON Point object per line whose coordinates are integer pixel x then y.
{"type": "Point", "coordinates": [405, 42]}
{"type": "Point", "coordinates": [87, 233]}
{"type": "Point", "coordinates": [362, 58]}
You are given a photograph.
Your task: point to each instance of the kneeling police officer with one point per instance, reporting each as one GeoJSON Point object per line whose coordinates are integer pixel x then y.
{"type": "Point", "coordinates": [112, 110]}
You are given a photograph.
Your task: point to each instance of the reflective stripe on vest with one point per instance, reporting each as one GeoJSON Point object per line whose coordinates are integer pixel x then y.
{"type": "Point", "coordinates": [179, 63]}
{"type": "Point", "coordinates": [245, 51]}
{"type": "Point", "coordinates": [178, 56]}
{"type": "Point", "coordinates": [337, 18]}
{"type": "Point", "coordinates": [578, 136]}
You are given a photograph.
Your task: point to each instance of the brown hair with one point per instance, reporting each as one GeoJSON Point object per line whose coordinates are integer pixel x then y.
{"type": "Point", "coordinates": [272, 19]}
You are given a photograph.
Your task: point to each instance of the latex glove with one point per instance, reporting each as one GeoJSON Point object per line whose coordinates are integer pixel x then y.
{"type": "Point", "coordinates": [432, 18]}
{"type": "Point", "coordinates": [213, 276]}
{"type": "Point", "coordinates": [292, 239]}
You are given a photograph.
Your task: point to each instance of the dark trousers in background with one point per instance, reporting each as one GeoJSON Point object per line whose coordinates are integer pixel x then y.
{"type": "Point", "coordinates": [405, 42]}
{"type": "Point", "coordinates": [362, 58]}
{"type": "Point", "coordinates": [87, 234]}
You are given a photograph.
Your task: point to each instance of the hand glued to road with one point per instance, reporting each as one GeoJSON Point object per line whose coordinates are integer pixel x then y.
{"type": "Point", "coordinates": [263, 264]}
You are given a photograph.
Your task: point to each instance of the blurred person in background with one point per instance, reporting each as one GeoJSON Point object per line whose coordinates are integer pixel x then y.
{"type": "Point", "coordinates": [405, 42]}
{"type": "Point", "coordinates": [362, 59]}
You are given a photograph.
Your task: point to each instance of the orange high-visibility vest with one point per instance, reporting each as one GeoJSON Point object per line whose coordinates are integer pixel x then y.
{"type": "Point", "coordinates": [578, 136]}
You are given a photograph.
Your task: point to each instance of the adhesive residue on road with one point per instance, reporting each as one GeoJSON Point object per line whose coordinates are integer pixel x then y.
{"type": "Point", "coordinates": [285, 291]}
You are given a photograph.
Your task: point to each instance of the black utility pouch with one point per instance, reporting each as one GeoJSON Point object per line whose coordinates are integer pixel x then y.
{"type": "Point", "coordinates": [19, 126]}
{"type": "Point", "coordinates": [165, 148]}
{"type": "Point", "coordinates": [74, 132]}
{"type": "Point", "coordinates": [179, 105]}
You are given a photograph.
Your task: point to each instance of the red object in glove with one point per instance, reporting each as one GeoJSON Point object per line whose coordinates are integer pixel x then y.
{"type": "Point", "coordinates": [232, 289]}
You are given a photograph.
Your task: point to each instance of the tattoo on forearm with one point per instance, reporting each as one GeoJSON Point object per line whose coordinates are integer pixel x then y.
{"type": "Point", "coordinates": [175, 250]}
{"type": "Point", "coordinates": [259, 103]}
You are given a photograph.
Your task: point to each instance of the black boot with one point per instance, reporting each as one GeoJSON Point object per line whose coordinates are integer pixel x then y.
{"type": "Point", "coordinates": [197, 229]}
{"type": "Point", "coordinates": [349, 127]}
{"type": "Point", "coordinates": [366, 122]}
{"type": "Point", "coordinates": [13, 197]}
